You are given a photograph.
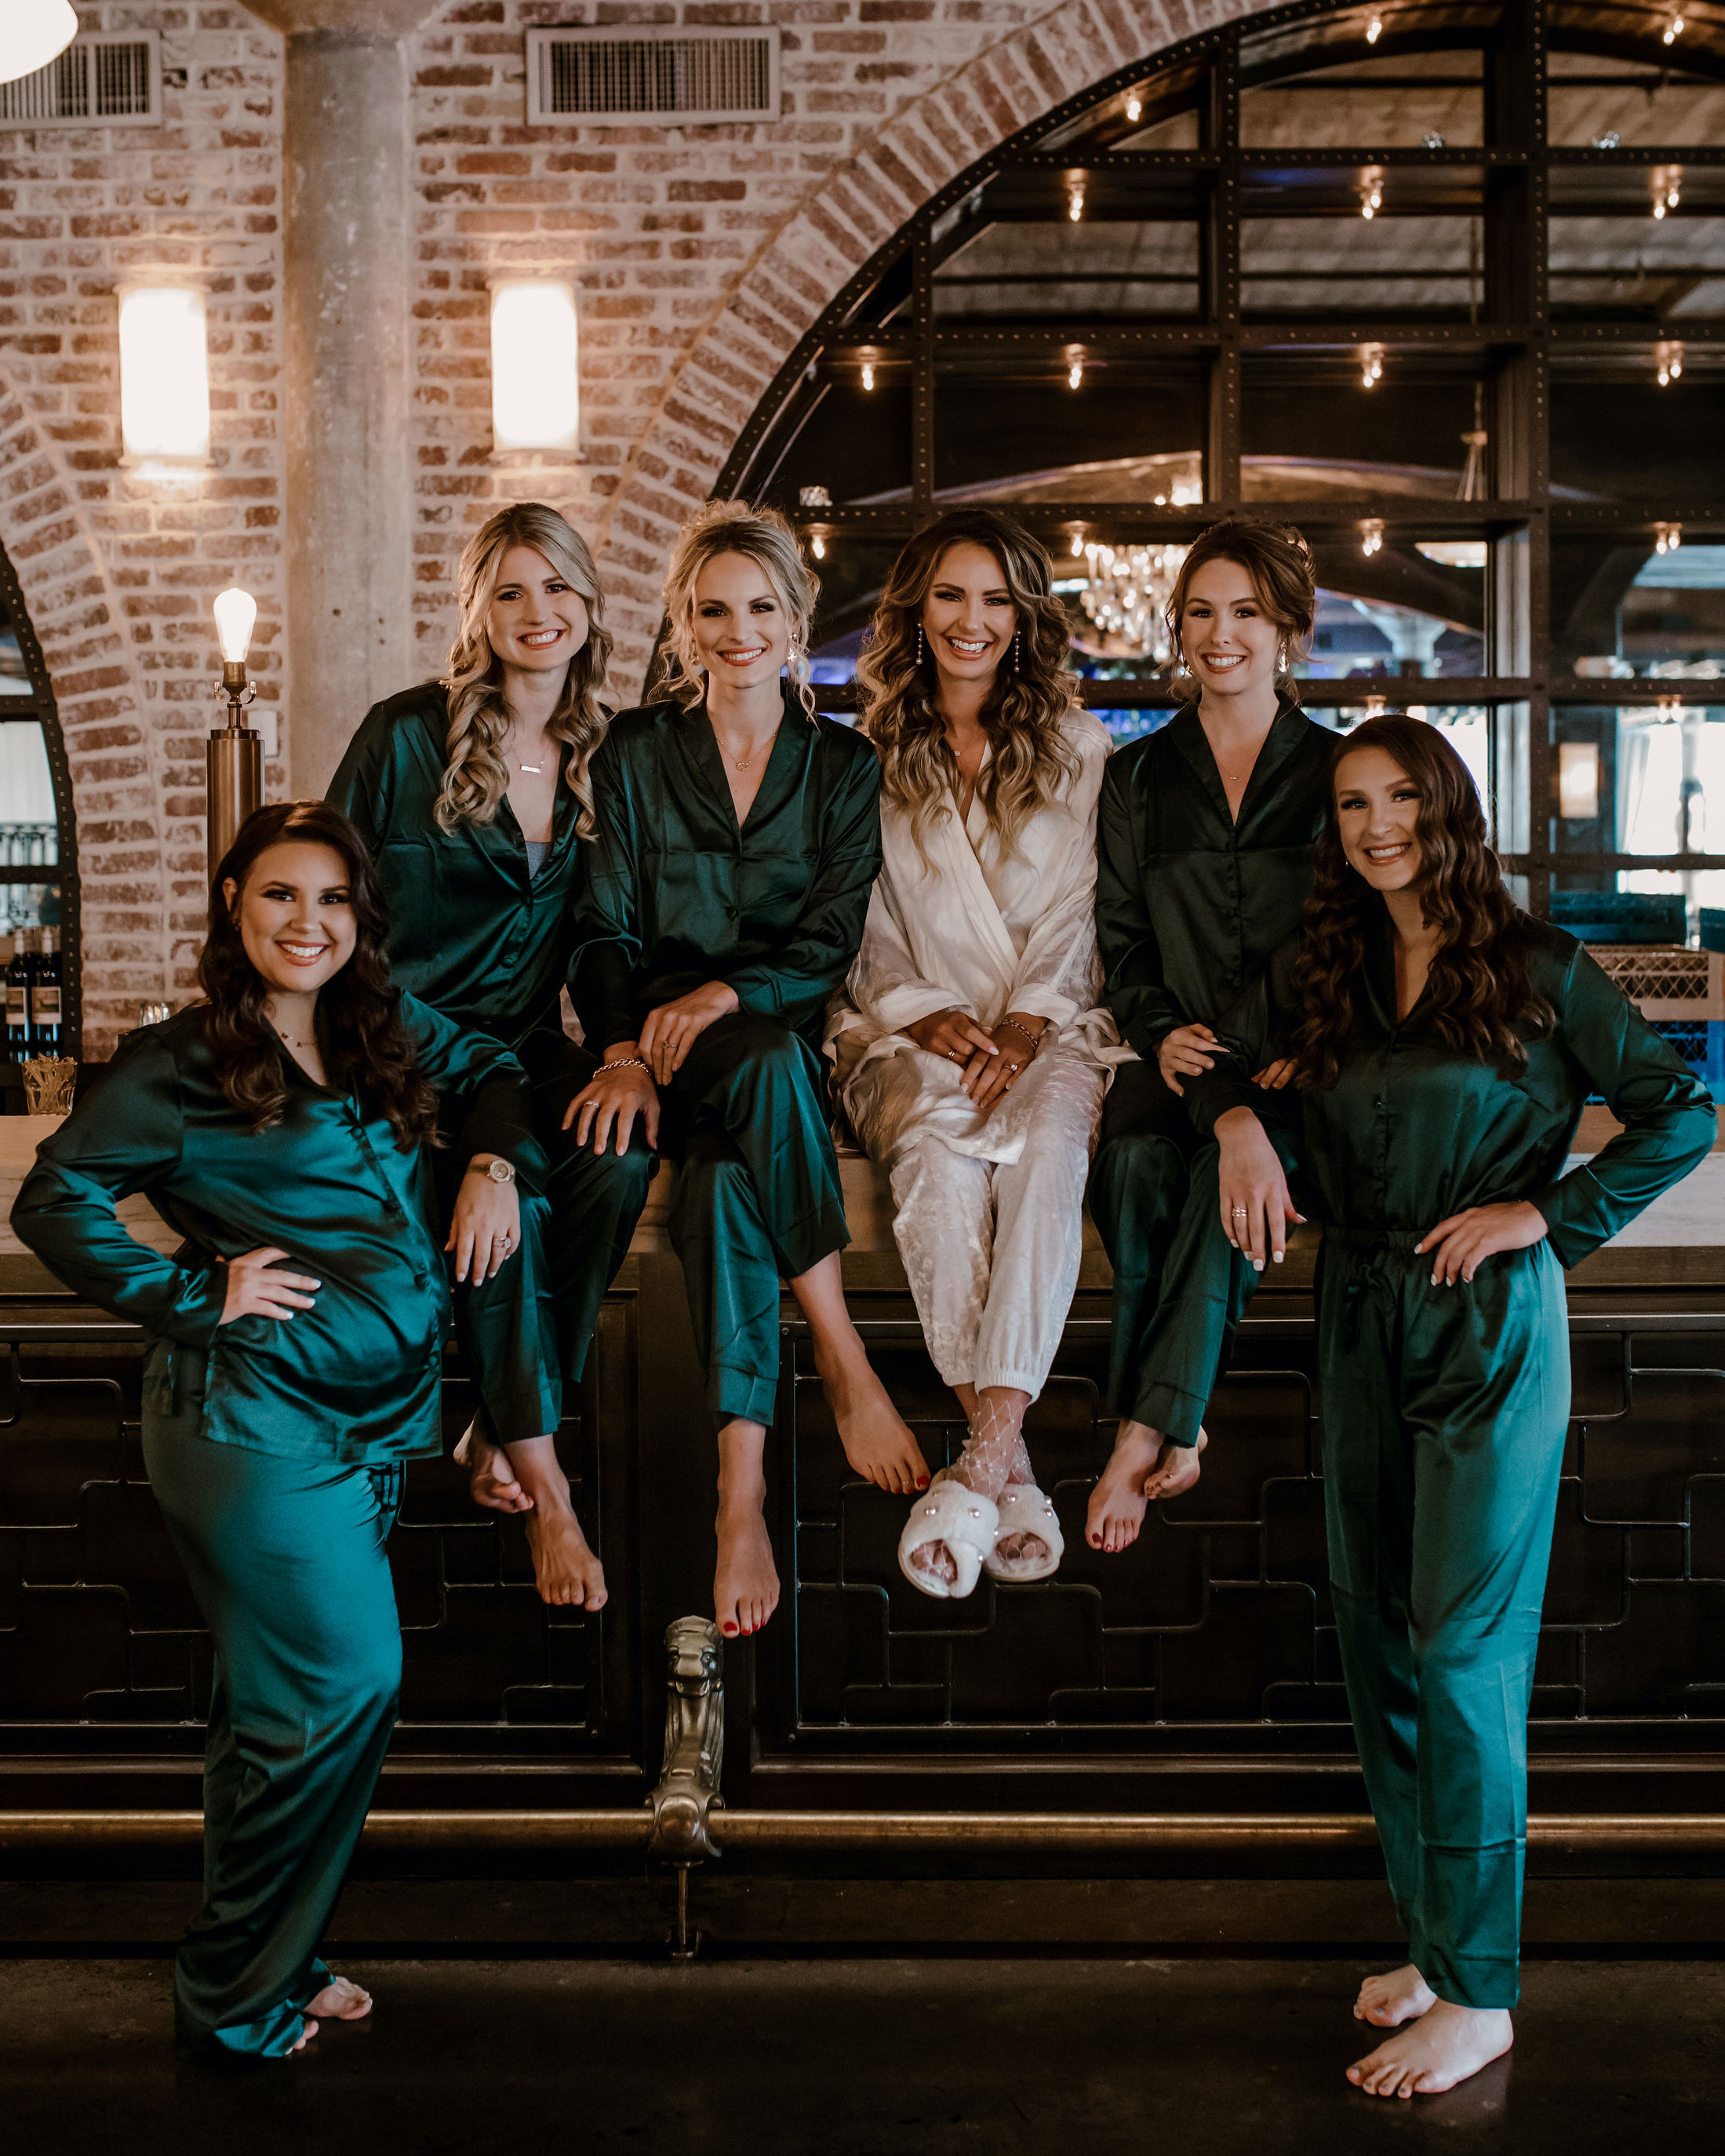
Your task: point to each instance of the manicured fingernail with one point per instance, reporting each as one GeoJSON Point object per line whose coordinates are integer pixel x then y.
{"type": "Point", "coordinates": [1278, 1257]}
{"type": "Point", "coordinates": [1257, 1265]}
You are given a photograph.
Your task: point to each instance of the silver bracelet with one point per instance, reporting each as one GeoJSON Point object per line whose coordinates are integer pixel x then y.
{"type": "Point", "coordinates": [627, 1063]}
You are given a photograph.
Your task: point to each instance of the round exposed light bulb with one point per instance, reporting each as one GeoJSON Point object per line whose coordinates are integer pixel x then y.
{"type": "Point", "coordinates": [1375, 29]}
{"type": "Point", "coordinates": [1075, 374]}
{"type": "Point", "coordinates": [236, 613]}
{"type": "Point", "coordinates": [1134, 107]}
{"type": "Point", "coordinates": [33, 33]}
{"type": "Point", "coordinates": [868, 378]}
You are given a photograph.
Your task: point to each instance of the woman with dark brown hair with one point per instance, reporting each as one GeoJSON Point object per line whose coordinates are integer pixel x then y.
{"type": "Point", "coordinates": [1444, 1045]}
{"type": "Point", "coordinates": [1204, 844]}
{"type": "Point", "coordinates": [972, 1051]}
{"type": "Point", "coordinates": [295, 1348]}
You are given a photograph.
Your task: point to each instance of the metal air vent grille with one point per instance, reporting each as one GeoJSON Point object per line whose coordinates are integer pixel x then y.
{"type": "Point", "coordinates": [106, 79]}
{"type": "Point", "coordinates": [609, 78]}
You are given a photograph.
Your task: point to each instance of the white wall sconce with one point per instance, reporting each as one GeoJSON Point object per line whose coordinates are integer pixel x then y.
{"type": "Point", "coordinates": [164, 375]}
{"type": "Point", "coordinates": [1578, 779]}
{"type": "Point", "coordinates": [535, 376]}
{"type": "Point", "coordinates": [34, 32]}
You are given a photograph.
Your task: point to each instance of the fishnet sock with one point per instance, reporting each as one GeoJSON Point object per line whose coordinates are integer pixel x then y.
{"type": "Point", "coordinates": [994, 1455]}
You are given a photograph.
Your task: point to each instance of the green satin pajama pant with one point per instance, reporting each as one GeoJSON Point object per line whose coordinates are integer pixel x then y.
{"type": "Point", "coordinates": [757, 1198]}
{"type": "Point", "coordinates": [1180, 1287]}
{"type": "Point", "coordinates": [530, 1326]}
{"type": "Point", "coordinates": [1445, 1412]}
{"type": "Point", "coordinates": [286, 1561]}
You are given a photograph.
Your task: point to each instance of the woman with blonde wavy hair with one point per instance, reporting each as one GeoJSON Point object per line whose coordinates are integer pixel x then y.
{"type": "Point", "coordinates": [738, 833]}
{"type": "Point", "coordinates": [972, 1051]}
{"type": "Point", "coordinates": [475, 794]}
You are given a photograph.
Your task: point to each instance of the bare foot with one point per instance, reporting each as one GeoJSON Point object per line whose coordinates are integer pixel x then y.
{"type": "Point", "coordinates": [340, 1999]}
{"type": "Point", "coordinates": [746, 1584]}
{"type": "Point", "coordinates": [1386, 2001]}
{"type": "Point", "coordinates": [1132, 1478]}
{"type": "Point", "coordinates": [565, 1570]}
{"type": "Point", "coordinates": [1446, 2045]}
{"type": "Point", "coordinates": [876, 1439]}
{"type": "Point", "coordinates": [490, 1479]}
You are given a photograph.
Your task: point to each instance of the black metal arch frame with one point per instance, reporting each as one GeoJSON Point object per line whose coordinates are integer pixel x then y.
{"type": "Point", "coordinates": [885, 316]}
{"type": "Point", "coordinates": [39, 704]}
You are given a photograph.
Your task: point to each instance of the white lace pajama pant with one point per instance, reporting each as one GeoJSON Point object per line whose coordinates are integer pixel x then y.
{"type": "Point", "coordinates": [993, 1250]}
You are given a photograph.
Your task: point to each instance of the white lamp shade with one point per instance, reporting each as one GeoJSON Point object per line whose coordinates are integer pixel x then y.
{"type": "Point", "coordinates": [235, 611]}
{"type": "Point", "coordinates": [32, 34]}
{"type": "Point", "coordinates": [164, 373]}
{"type": "Point", "coordinates": [536, 382]}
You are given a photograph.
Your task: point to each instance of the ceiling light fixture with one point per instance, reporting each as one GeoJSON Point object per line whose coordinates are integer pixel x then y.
{"type": "Point", "coordinates": [1075, 372]}
{"type": "Point", "coordinates": [1371, 535]}
{"type": "Point", "coordinates": [1668, 357]}
{"type": "Point", "coordinates": [1077, 541]}
{"type": "Point", "coordinates": [1370, 191]}
{"type": "Point", "coordinates": [1371, 365]}
{"type": "Point", "coordinates": [817, 547]}
{"type": "Point", "coordinates": [1074, 200]}
{"type": "Point", "coordinates": [1134, 108]}
{"type": "Point", "coordinates": [868, 374]}
{"type": "Point", "coordinates": [1667, 538]}
{"type": "Point", "coordinates": [1668, 188]}
{"type": "Point", "coordinates": [1673, 31]}
{"type": "Point", "coordinates": [1375, 29]}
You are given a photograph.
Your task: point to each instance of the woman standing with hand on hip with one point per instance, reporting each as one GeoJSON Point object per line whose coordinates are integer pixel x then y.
{"type": "Point", "coordinates": [738, 834]}
{"type": "Point", "coordinates": [1203, 858]}
{"type": "Point", "coordinates": [971, 1051]}
{"type": "Point", "coordinates": [294, 1361]}
{"type": "Point", "coordinates": [1445, 1045]}
{"type": "Point", "coordinates": [474, 796]}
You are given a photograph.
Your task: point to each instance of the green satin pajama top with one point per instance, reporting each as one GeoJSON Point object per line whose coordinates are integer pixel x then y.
{"type": "Point", "coordinates": [1413, 1131]}
{"type": "Point", "coordinates": [676, 896]}
{"type": "Point", "coordinates": [471, 932]}
{"type": "Point", "coordinates": [1189, 903]}
{"type": "Point", "coordinates": [355, 1380]}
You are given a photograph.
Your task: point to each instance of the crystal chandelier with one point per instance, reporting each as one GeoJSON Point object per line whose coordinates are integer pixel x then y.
{"type": "Point", "coordinates": [1125, 594]}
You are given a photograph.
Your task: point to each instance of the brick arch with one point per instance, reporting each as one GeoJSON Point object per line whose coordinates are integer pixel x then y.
{"type": "Point", "coordinates": [845, 216]}
{"type": "Point", "coordinates": [118, 798]}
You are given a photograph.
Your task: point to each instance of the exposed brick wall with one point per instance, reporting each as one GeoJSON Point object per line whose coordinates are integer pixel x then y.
{"type": "Point", "coordinates": [119, 568]}
{"type": "Point", "coordinates": [700, 254]}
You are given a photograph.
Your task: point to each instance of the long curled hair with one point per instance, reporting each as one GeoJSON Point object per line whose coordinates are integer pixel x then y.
{"type": "Point", "coordinates": [475, 774]}
{"type": "Point", "coordinates": [1032, 689]}
{"type": "Point", "coordinates": [1277, 559]}
{"type": "Point", "coordinates": [363, 1041]}
{"type": "Point", "coordinates": [1482, 1000]}
{"type": "Point", "coordinates": [762, 536]}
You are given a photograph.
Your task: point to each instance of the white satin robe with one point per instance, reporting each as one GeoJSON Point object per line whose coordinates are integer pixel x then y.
{"type": "Point", "coordinates": [989, 1207]}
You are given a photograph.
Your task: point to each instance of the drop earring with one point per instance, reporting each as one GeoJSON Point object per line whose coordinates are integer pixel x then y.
{"type": "Point", "coordinates": [919, 643]}
{"type": "Point", "coordinates": [1017, 657]}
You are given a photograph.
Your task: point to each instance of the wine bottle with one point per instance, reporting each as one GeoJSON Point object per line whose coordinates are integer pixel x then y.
{"type": "Point", "coordinates": [45, 996]}
{"type": "Point", "coordinates": [18, 997]}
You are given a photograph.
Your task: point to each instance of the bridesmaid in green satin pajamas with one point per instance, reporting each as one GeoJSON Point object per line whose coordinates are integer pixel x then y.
{"type": "Point", "coordinates": [739, 835]}
{"type": "Point", "coordinates": [473, 797]}
{"type": "Point", "coordinates": [1446, 1045]}
{"type": "Point", "coordinates": [1205, 832]}
{"type": "Point", "coordinates": [294, 1364]}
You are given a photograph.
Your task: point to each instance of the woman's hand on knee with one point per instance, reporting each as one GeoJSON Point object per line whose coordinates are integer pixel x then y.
{"type": "Point", "coordinates": [1181, 1054]}
{"type": "Point", "coordinates": [619, 1092]}
{"type": "Point", "coordinates": [989, 1078]}
{"type": "Point", "coordinates": [1465, 1241]}
{"type": "Point", "coordinates": [673, 1030]}
{"type": "Point", "coordinates": [255, 1289]}
{"type": "Point", "coordinates": [952, 1033]}
{"type": "Point", "coordinates": [486, 1230]}
{"type": "Point", "coordinates": [1256, 1208]}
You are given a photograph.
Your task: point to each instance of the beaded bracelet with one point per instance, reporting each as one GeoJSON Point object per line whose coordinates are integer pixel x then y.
{"type": "Point", "coordinates": [1023, 1033]}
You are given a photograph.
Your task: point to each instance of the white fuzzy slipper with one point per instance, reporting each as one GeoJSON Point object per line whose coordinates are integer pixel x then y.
{"type": "Point", "coordinates": [1026, 1510]}
{"type": "Point", "coordinates": [964, 1519]}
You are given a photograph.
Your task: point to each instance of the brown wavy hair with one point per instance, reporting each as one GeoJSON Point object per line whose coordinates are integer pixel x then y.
{"type": "Point", "coordinates": [1482, 1000]}
{"type": "Point", "coordinates": [364, 1044]}
{"type": "Point", "coordinates": [475, 771]}
{"type": "Point", "coordinates": [1029, 758]}
{"type": "Point", "coordinates": [1278, 560]}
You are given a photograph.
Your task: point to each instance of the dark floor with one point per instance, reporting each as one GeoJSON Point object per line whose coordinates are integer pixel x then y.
{"type": "Point", "coordinates": [881, 2058]}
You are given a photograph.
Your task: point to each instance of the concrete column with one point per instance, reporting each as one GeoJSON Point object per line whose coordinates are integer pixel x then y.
{"type": "Point", "coordinates": [347, 270]}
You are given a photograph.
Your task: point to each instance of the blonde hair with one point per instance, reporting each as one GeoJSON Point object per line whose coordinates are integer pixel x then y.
{"type": "Point", "coordinates": [762, 536]}
{"type": "Point", "coordinates": [1029, 756]}
{"type": "Point", "coordinates": [475, 775]}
